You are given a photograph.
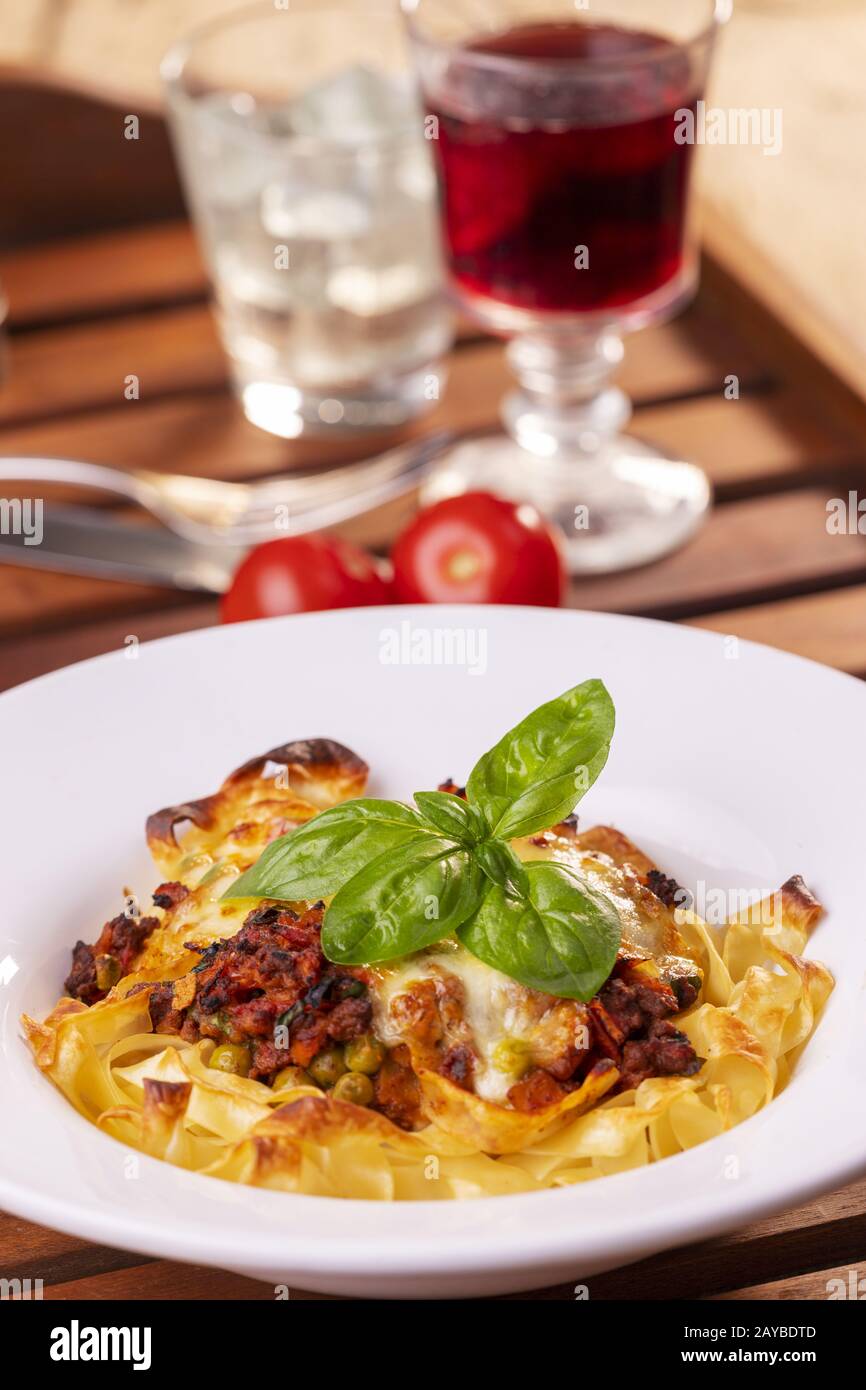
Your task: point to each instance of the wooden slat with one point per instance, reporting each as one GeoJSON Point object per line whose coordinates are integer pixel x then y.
{"type": "Point", "coordinates": [747, 551]}
{"type": "Point", "coordinates": [34, 1252]}
{"type": "Point", "coordinates": [812, 1286]}
{"type": "Point", "coordinates": [755, 444]}
{"type": "Point", "coordinates": [830, 628]}
{"type": "Point", "coordinates": [114, 272]}
{"type": "Point", "coordinates": [83, 366]}
{"type": "Point", "coordinates": [160, 1279]}
{"type": "Point", "coordinates": [206, 435]}
{"type": "Point", "coordinates": [24, 657]}
{"type": "Point", "coordinates": [792, 358]}
{"type": "Point", "coordinates": [32, 600]}
{"type": "Point", "coordinates": [752, 444]}
{"type": "Point", "coordinates": [670, 363]}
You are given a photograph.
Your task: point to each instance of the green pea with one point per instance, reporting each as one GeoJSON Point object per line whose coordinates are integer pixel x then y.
{"type": "Point", "coordinates": [292, 1076]}
{"type": "Point", "coordinates": [354, 1086]}
{"type": "Point", "coordinates": [107, 972]}
{"type": "Point", "coordinates": [327, 1066]}
{"type": "Point", "coordinates": [231, 1058]}
{"type": "Point", "coordinates": [365, 1054]}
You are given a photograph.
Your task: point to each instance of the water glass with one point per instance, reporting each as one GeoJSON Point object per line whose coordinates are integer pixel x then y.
{"type": "Point", "coordinates": [302, 151]}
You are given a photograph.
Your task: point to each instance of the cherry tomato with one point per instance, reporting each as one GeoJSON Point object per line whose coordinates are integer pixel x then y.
{"type": "Point", "coordinates": [299, 574]}
{"type": "Point", "coordinates": [478, 548]}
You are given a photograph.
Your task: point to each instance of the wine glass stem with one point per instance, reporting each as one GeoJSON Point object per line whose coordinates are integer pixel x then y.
{"type": "Point", "coordinates": [564, 404]}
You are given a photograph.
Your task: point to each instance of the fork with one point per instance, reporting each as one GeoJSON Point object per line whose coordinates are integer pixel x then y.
{"type": "Point", "coordinates": [207, 510]}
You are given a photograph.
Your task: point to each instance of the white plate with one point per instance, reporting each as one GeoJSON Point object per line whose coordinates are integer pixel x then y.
{"type": "Point", "coordinates": [735, 765]}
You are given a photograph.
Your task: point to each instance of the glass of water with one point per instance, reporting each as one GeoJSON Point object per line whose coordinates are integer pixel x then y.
{"type": "Point", "coordinates": [302, 150]}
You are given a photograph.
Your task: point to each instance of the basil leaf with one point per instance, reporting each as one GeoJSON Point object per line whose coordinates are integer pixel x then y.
{"type": "Point", "coordinates": [452, 816]}
{"type": "Point", "coordinates": [404, 900]}
{"type": "Point", "coordinates": [537, 773]}
{"type": "Point", "coordinates": [561, 939]}
{"type": "Point", "coordinates": [319, 857]}
{"type": "Point", "coordinates": [502, 867]}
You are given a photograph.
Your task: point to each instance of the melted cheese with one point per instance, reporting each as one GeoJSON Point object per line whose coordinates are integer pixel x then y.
{"type": "Point", "coordinates": [500, 1013]}
{"type": "Point", "coordinates": [648, 927]}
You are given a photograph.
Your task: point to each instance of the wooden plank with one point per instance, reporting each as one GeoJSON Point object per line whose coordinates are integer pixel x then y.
{"type": "Point", "coordinates": [109, 273]}
{"type": "Point", "coordinates": [747, 552]}
{"type": "Point", "coordinates": [160, 1279]}
{"type": "Point", "coordinates": [793, 359]}
{"type": "Point", "coordinates": [203, 434]}
{"type": "Point", "coordinates": [23, 1244]}
{"type": "Point", "coordinates": [88, 366]}
{"type": "Point", "coordinates": [668, 364]}
{"type": "Point", "coordinates": [783, 226]}
{"type": "Point", "coordinates": [817, 1284]}
{"type": "Point", "coordinates": [84, 366]}
{"type": "Point", "coordinates": [762, 548]}
{"type": "Point", "coordinates": [830, 627]}
{"type": "Point", "coordinates": [799, 314]}
{"type": "Point", "coordinates": [25, 657]}
{"type": "Point", "coordinates": [35, 1252]}
{"type": "Point", "coordinates": [755, 444]}
{"type": "Point", "coordinates": [37, 600]}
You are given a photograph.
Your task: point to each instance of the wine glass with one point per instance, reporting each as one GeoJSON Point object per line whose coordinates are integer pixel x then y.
{"type": "Point", "coordinates": [563, 136]}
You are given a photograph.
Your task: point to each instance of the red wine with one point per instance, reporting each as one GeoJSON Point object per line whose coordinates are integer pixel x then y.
{"type": "Point", "coordinates": [537, 160]}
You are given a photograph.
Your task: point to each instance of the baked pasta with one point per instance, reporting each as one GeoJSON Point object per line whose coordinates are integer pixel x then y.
{"type": "Point", "coordinates": [214, 1031]}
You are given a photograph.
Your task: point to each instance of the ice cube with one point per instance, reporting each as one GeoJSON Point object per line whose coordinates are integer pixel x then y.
{"type": "Point", "coordinates": [415, 176]}
{"type": "Point", "coordinates": [356, 105]}
{"type": "Point", "coordinates": [227, 158]}
{"type": "Point", "coordinates": [290, 213]}
{"type": "Point", "coordinates": [371, 290]}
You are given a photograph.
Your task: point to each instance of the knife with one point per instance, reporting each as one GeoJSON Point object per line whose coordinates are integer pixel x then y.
{"type": "Point", "coordinates": [86, 540]}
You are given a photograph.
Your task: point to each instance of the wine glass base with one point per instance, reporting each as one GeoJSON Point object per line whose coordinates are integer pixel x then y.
{"type": "Point", "coordinates": [624, 505]}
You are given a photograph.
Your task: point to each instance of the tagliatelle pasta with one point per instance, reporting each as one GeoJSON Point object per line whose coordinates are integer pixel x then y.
{"type": "Point", "coordinates": [130, 1064]}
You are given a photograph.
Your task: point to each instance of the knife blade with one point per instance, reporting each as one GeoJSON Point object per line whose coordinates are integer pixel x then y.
{"type": "Point", "coordinates": [87, 540]}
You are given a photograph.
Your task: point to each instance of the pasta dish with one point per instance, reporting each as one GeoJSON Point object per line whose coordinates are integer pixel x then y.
{"type": "Point", "coordinates": [462, 996]}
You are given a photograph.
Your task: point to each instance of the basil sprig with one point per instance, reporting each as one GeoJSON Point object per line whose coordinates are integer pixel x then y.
{"type": "Point", "coordinates": [404, 877]}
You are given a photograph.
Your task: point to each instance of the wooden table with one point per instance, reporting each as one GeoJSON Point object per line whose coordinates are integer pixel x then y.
{"type": "Point", "coordinates": [87, 313]}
